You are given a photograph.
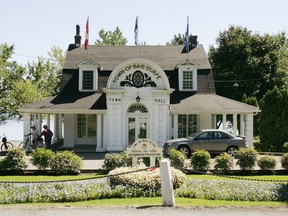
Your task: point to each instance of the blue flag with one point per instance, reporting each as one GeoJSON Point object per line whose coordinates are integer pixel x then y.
{"type": "Point", "coordinates": [187, 36]}
{"type": "Point", "coordinates": [136, 31]}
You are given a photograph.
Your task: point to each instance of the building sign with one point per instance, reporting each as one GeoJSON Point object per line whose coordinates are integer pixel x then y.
{"type": "Point", "coordinates": [160, 100]}
{"type": "Point", "coordinates": [138, 80]}
{"type": "Point", "coordinates": [144, 148]}
{"type": "Point", "coordinates": [150, 71]}
{"type": "Point", "coordinates": [138, 73]}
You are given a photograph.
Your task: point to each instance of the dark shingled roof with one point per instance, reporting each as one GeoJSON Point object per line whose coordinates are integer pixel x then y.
{"type": "Point", "coordinates": [70, 100]}
{"type": "Point", "coordinates": [108, 57]}
{"type": "Point", "coordinates": [211, 103]}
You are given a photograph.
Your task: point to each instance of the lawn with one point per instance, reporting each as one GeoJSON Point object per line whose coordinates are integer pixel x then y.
{"type": "Point", "coordinates": [156, 201]}
{"type": "Point", "coordinates": [31, 178]}
{"type": "Point", "coordinates": [149, 201]}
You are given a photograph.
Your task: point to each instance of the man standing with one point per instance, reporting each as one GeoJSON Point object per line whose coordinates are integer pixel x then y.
{"type": "Point", "coordinates": [47, 133]}
{"type": "Point", "coordinates": [35, 136]}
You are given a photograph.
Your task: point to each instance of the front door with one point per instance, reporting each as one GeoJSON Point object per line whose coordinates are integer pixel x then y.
{"type": "Point", "coordinates": [137, 128]}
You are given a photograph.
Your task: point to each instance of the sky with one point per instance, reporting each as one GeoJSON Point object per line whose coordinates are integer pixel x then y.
{"type": "Point", "coordinates": [35, 26]}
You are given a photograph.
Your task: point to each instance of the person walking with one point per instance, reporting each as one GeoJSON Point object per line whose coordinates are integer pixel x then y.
{"type": "Point", "coordinates": [47, 133]}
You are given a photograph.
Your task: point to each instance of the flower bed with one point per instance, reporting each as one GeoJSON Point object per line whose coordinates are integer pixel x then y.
{"type": "Point", "coordinates": [72, 191]}
{"type": "Point", "coordinates": [242, 190]}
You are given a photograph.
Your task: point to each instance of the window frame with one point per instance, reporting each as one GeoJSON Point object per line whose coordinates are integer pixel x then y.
{"type": "Point", "coordinates": [187, 129]}
{"type": "Point", "coordinates": [193, 70]}
{"type": "Point", "coordinates": [94, 70]}
{"type": "Point", "coordinates": [84, 119]}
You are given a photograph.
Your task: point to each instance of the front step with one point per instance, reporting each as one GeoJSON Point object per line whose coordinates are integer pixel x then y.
{"type": "Point", "coordinates": [84, 148]}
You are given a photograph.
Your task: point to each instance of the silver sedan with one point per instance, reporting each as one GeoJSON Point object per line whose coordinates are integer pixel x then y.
{"type": "Point", "coordinates": [211, 140]}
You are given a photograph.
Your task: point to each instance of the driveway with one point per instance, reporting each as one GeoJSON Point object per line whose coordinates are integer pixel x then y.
{"type": "Point", "coordinates": [141, 211]}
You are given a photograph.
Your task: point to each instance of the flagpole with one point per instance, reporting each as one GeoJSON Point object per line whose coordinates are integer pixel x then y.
{"type": "Point", "coordinates": [87, 37]}
{"type": "Point", "coordinates": [187, 38]}
{"type": "Point", "coordinates": [136, 30]}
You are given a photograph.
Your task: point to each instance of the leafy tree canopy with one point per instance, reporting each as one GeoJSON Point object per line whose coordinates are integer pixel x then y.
{"type": "Point", "coordinates": [24, 85]}
{"type": "Point", "coordinates": [248, 63]}
{"type": "Point", "coordinates": [177, 40]}
{"type": "Point", "coordinates": [273, 119]}
{"type": "Point", "coordinates": [111, 38]}
{"type": "Point", "coordinates": [10, 75]}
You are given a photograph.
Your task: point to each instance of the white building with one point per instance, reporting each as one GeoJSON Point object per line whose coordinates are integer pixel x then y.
{"type": "Point", "coordinates": [113, 95]}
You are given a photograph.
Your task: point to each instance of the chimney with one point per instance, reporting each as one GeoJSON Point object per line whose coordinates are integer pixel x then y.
{"type": "Point", "coordinates": [77, 37]}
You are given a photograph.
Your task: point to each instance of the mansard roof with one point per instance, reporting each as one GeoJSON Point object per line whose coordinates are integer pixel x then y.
{"type": "Point", "coordinates": [108, 57]}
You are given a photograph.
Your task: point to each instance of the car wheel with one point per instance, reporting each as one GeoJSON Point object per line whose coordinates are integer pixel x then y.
{"type": "Point", "coordinates": [184, 150]}
{"type": "Point", "coordinates": [232, 150]}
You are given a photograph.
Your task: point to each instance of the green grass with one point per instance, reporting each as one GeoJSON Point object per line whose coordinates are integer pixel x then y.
{"type": "Point", "coordinates": [156, 201]}
{"type": "Point", "coordinates": [28, 178]}
{"type": "Point", "coordinates": [261, 178]}
{"type": "Point", "coordinates": [153, 201]}
{"type": "Point", "coordinates": [31, 178]}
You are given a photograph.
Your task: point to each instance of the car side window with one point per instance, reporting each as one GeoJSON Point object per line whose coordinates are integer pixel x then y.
{"type": "Point", "coordinates": [221, 135]}
{"type": "Point", "coordinates": [203, 136]}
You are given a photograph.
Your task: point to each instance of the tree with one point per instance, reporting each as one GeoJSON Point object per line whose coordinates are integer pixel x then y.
{"type": "Point", "coordinates": [20, 86]}
{"type": "Point", "coordinates": [46, 73]}
{"type": "Point", "coordinates": [248, 63]}
{"type": "Point", "coordinates": [177, 40]}
{"type": "Point", "coordinates": [10, 75]}
{"type": "Point", "coordinates": [111, 38]}
{"type": "Point", "coordinates": [273, 119]}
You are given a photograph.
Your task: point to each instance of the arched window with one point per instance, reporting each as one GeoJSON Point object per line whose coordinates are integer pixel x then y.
{"type": "Point", "coordinates": [137, 107]}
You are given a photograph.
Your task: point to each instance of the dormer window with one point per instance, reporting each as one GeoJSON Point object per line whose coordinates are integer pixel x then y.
{"type": "Point", "coordinates": [88, 80]}
{"type": "Point", "coordinates": [88, 76]}
{"type": "Point", "coordinates": [187, 76]}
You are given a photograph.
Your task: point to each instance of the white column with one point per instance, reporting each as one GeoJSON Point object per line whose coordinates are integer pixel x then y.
{"type": "Point", "coordinates": [214, 116]}
{"type": "Point", "coordinates": [166, 183]}
{"type": "Point", "coordinates": [249, 129]}
{"type": "Point", "coordinates": [60, 131]}
{"type": "Point", "coordinates": [224, 122]}
{"type": "Point", "coordinates": [235, 123]}
{"type": "Point", "coordinates": [27, 123]}
{"type": "Point", "coordinates": [48, 120]}
{"type": "Point", "coordinates": [39, 124]}
{"type": "Point", "coordinates": [56, 132]}
{"type": "Point", "coordinates": [175, 126]}
{"type": "Point", "coordinates": [99, 131]}
{"type": "Point", "coordinates": [242, 125]}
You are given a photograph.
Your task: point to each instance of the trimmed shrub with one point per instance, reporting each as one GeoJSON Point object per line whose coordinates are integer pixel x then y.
{"type": "Point", "coordinates": [115, 160]}
{"type": "Point", "coordinates": [257, 144]}
{"type": "Point", "coordinates": [266, 162]}
{"type": "Point", "coordinates": [224, 162]}
{"type": "Point", "coordinates": [247, 158]}
{"type": "Point", "coordinates": [284, 161]}
{"type": "Point", "coordinates": [200, 160]}
{"type": "Point", "coordinates": [66, 162]}
{"type": "Point", "coordinates": [285, 147]}
{"type": "Point", "coordinates": [177, 159]}
{"type": "Point", "coordinates": [14, 160]}
{"type": "Point", "coordinates": [41, 158]}
{"type": "Point", "coordinates": [146, 182]}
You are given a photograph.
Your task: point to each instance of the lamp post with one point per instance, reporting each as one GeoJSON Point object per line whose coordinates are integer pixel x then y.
{"type": "Point", "coordinates": [138, 99]}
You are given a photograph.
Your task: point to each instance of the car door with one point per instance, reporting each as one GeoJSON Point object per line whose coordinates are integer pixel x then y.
{"type": "Point", "coordinates": [220, 142]}
{"type": "Point", "coordinates": [202, 141]}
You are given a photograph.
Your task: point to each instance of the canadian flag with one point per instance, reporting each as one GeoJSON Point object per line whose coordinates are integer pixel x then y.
{"type": "Point", "coordinates": [87, 34]}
